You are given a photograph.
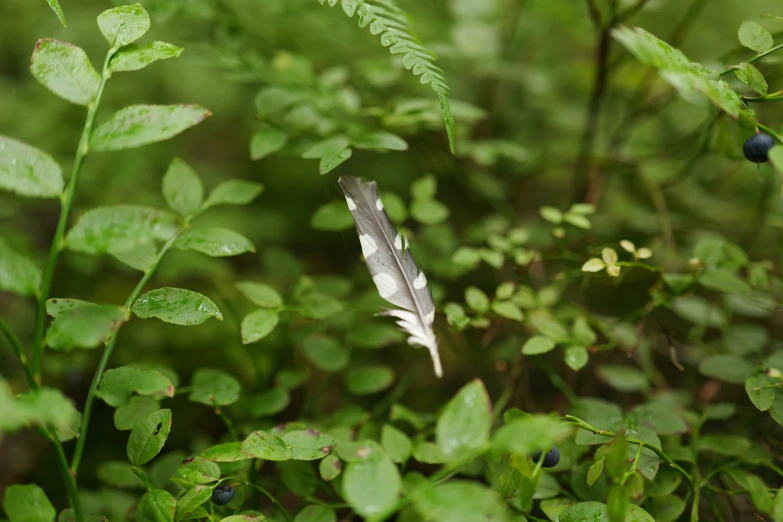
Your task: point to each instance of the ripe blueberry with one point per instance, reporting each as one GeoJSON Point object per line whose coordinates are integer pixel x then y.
{"type": "Point", "coordinates": [757, 147]}
{"type": "Point", "coordinates": [550, 459]}
{"type": "Point", "coordinates": [222, 495]}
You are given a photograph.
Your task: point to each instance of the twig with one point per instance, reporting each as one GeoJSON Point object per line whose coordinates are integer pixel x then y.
{"type": "Point", "coordinates": [19, 351]}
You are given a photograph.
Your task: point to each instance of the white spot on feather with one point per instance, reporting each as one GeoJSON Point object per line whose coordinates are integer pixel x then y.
{"type": "Point", "coordinates": [387, 287]}
{"type": "Point", "coordinates": [379, 204]}
{"type": "Point", "coordinates": [351, 203]}
{"type": "Point", "coordinates": [430, 317]}
{"type": "Point", "coordinates": [398, 242]}
{"type": "Point", "coordinates": [420, 281]}
{"type": "Point", "coordinates": [369, 247]}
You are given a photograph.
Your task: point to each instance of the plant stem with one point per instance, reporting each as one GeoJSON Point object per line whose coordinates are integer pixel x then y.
{"type": "Point", "coordinates": [62, 222]}
{"type": "Point", "coordinates": [107, 351]}
{"type": "Point", "coordinates": [68, 477]}
{"type": "Point", "coordinates": [19, 351]}
{"type": "Point", "coordinates": [757, 57]}
{"type": "Point", "coordinates": [268, 495]}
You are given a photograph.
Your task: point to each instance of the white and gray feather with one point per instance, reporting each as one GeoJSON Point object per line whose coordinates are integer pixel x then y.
{"type": "Point", "coordinates": [391, 265]}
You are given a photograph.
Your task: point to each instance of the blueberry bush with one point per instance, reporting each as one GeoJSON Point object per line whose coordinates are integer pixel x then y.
{"type": "Point", "coordinates": [189, 328]}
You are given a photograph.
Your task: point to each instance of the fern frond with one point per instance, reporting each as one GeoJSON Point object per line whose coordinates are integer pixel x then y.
{"type": "Point", "coordinates": [385, 18]}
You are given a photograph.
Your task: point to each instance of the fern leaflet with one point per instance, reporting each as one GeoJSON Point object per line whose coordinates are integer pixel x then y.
{"type": "Point", "coordinates": [386, 19]}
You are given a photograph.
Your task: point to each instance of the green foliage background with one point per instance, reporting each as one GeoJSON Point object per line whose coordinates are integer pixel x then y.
{"type": "Point", "coordinates": [503, 229]}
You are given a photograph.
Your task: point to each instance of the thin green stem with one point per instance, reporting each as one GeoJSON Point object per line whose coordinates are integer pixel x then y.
{"type": "Point", "coordinates": [62, 222]}
{"type": "Point", "coordinates": [757, 57]}
{"type": "Point", "coordinates": [268, 495]}
{"type": "Point", "coordinates": [107, 351]}
{"type": "Point", "coordinates": [606, 433]}
{"type": "Point", "coordinates": [143, 476]}
{"type": "Point", "coordinates": [68, 477]}
{"type": "Point", "coordinates": [229, 424]}
{"type": "Point", "coordinates": [19, 351]}
{"type": "Point", "coordinates": [770, 132]}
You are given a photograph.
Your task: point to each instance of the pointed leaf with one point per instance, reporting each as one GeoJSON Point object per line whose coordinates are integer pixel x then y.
{"type": "Point", "coordinates": [124, 24]}
{"type": "Point", "coordinates": [28, 171]}
{"type": "Point", "coordinates": [266, 142]}
{"type": "Point", "coordinates": [139, 125]}
{"type": "Point", "coordinates": [465, 422]}
{"type": "Point", "coordinates": [199, 470]}
{"type": "Point", "coordinates": [366, 380]}
{"type": "Point", "coordinates": [134, 57]}
{"type": "Point", "coordinates": [215, 242]}
{"type": "Point", "coordinates": [460, 500]}
{"type": "Point", "coordinates": [755, 37]}
{"type": "Point", "coordinates": [148, 437]}
{"type": "Point", "coordinates": [191, 500]}
{"type": "Point", "coordinates": [158, 506]}
{"type": "Point", "coordinates": [65, 70]}
{"type": "Point", "coordinates": [119, 229]}
{"type": "Point", "coordinates": [371, 482]}
{"type": "Point", "coordinates": [214, 387]}
{"type": "Point", "coordinates": [119, 384]}
{"type": "Point", "coordinates": [751, 77]}
{"type": "Point", "coordinates": [182, 188]}
{"type": "Point", "coordinates": [18, 274]}
{"type": "Point", "coordinates": [260, 294]}
{"type": "Point", "coordinates": [79, 324]}
{"type": "Point", "coordinates": [381, 141]}
{"type": "Point", "coordinates": [309, 444]}
{"type": "Point", "coordinates": [257, 325]}
{"type": "Point", "coordinates": [27, 503]}
{"type": "Point", "coordinates": [263, 445]}
{"type": "Point", "coordinates": [177, 306]}
{"type": "Point", "coordinates": [234, 192]}
{"type": "Point", "coordinates": [55, 5]}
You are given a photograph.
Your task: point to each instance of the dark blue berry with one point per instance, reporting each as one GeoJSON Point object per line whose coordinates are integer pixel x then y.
{"type": "Point", "coordinates": [550, 459]}
{"type": "Point", "coordinates": [757, 147]}
{"type": "Point", "coordinates": [222, 495]}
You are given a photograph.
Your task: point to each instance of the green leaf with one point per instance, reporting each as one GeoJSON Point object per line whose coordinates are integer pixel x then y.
{"type": "Point", "coordinates": [448, 119]}
{"type": "Point", "coordinates": [226, 452]}
{"type": "Point", "coordinates": [139, 125]}
{"type": "Point", "coordinates": [326, 353]}
{"type": "Point", "coordinates": [601, 414]}
{"type": "Point", "coordinates": [124, 24]}
{"type": "Point", "coordinates": [731, 445]}
{"type": "Point", "coordinates": [314, 513]}
{"type": "Point", "coordinates": [428, 453]}
{"type": "Point", "coordinates": [594, 472]}
{"type": "Point", "coordinates": [576, 357]}
{"type": "Point", "coordinates": [577, 220]}
{"type": "Point", "coordinates": [182, 188]}
{"type": "Point", "coordinates": [79, 324]}
{"type": "Point", "coordinates": [158, 506]}
{"type": "Point", "coordinates": [526, 435]}
{"type": "Point", "coordinates": [45, 407]}
{"type": "Point", "coordinates": [332, 218]}
{"type": "Point", "coordinates": [582, 332]}
{"type": "Point", "coordinates": [137, 408]}
{"type": "Point", "coordinates": [366, 380]}
{"type": "Point", "coordinates": [318, 306]}
{"type": "Point", "coordinates": [309, 444]}
{"type": "Point", "coordinates": [699, 311]}
{"type": "Point", "coordinates": [260, 294]}
{"type": "Point", "coordinates": [549, 327]}
{"type": "Point", "coordinates": [268, 402]}
{"type": "Point", "coordinates": [396, 443]}
{"type": "Point", "coordinates": [777, 506]}
{"type": "Point", "coordinates": [28, 171]}
{"type": "Point", "coordinates": [692, 80]}
{"type": "Point", "coordinates": [134, 57]}
{"type": "Point", "coordinates": [27, 503]}
{"type": "Point", "coordinates": [760, 392]}
{"type": "Point", "coordinates": [508, 310]}
{"type": "Point", "coordinates": [55, 5]}
{"type": "Point", "coordinates": [177, 306]}
{"type": "Point", "coordinates": [327, 148]}
{"type": "Point", "coordinates": [141, 257]}
{"type": "Point", "coordinates": [148, 437]}
{"type": "Point", "coordinates": [584, 511]}
{"type": "Point", "coordinates": [199, 470]}
{"type": "Point", "coordinates": [622, 378]}
{"type": "Point", "coordinates": [459, 501]}
{"type": "Point", "coordinates": [719, 411]}
{"type": "Point", "coordinates": [551, 214]}
{"type": "Point", "coordinates": [661, 417]}
{"type": "Point", "coordinates": [381, 141]}
{"type": "Point", "coordinates": [537, 345]}
{"type": "Point", "coordinates": [616, 462]}
{"type": "Point", "coordinates": [215, 242]}
{"type": "Point", "coordinates": [724, 281]}
{"type": "Point", "coordinates": [191, 500]}
{"type": "Point", "coordinates": [118, 385]}
{"type": "Point", "coordinates": [263, 445]}
{"type": "Point", "coordinates": [65, 70]}
{"type": "Point", "coordinates": [118, 474]}
{"type": "Point", "coordinates": [119, 229]}
{"type": "Point", "coordinates": [18, 274]}
{"type": "Point", "coordinates": [593, 265]}
{"type": "Point", "coordinates": [329, 163]}
{"type": "Point", "coordinates": [728, 368]}
{"type": "Point", "coordinates": [751, 77]}
{"type": "Point", "coordinates": [429, 211]}
{"type": "Point", "coordinates": [330, 467]}
{"type": "Point", "coordinates": [371, 481]}
{"type": "Point", "coordinates": [234, 192]}
{"type": "Point", "coordinates": [214, 387]}
{"type": "Point", "coordinates": [266, 142]}
{"type": "Point", "coordinates": [477, 299]}
{"type": "Point", "coordinates": [424, 188]}
{"type": "Point", "coordinates": [465, 422]}
{"type": "Point", "coordinates": [258, 324]}
{"type": "Point", "coordinates": [666, 509]}
{"type": "Point", "coordinates": [755, 37]}
{"type": "Point", "coordinates": [678, 282]}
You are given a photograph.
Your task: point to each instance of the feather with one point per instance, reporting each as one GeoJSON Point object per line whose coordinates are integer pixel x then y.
{"type": "Point", "coordinates": [391, 265]}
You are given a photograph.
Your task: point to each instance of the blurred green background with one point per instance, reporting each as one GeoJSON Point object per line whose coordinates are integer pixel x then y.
{"type": "Point", "coordinates": [521, 73]}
